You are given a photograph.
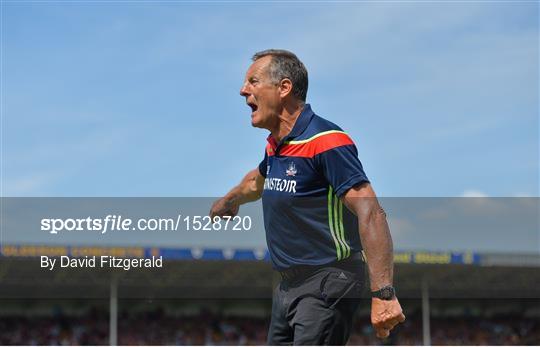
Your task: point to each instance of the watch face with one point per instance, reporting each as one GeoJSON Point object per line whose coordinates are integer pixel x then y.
{"type": "Point", "coordinates": [387, 293]}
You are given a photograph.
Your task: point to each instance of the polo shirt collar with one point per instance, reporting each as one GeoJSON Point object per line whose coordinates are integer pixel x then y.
{"type": "Point", "coordinates": [299, 126]}
{"type": "Point", "coordinates": [301, 122]}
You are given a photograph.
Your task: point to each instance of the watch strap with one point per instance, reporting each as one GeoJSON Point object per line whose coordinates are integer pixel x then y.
{"type": "Point", "coordinates": [385, 293]}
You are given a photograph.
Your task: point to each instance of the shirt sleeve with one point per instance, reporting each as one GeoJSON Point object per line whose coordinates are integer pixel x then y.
{"type": "Point", "coordinates": [342, 168]}
{"type": "Point", "coordinates": [262, 165]}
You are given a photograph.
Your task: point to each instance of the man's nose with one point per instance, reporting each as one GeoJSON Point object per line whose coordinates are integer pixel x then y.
{"type": "Point", "coordinates": [244, 90]}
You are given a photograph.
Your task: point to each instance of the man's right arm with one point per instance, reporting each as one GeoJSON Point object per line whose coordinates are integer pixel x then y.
{"type": "Point", "coordinates": [249, 189]}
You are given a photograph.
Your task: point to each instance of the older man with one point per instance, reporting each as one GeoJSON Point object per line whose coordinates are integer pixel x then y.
{"type": "Point", "coordinates": [309, 171]}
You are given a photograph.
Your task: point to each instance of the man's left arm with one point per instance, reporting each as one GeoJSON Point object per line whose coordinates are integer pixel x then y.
{"type": "Point", "coordinates": [377, 244]}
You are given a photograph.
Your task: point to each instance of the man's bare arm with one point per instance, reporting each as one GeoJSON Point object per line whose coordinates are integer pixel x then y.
{"type": "Point", "coordinates": [378, 248]}
{"type": "Point", "coordinates": [374, 234]}
{"type": "Point", "coordinates": [249, 189]}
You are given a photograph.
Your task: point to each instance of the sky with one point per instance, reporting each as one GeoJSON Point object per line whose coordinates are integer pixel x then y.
{"type": "Point", "coordinates": [138, 99]}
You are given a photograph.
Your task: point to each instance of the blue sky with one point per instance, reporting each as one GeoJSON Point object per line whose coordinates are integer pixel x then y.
{"type": "Point", "coordinates": [141, 99]}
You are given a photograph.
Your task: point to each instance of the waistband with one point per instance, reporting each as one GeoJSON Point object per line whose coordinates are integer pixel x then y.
{"type": "Point", "coordinates": [350, 264]}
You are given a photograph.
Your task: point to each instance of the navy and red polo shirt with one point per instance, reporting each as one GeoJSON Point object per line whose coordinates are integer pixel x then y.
{"type": "Point", "coordinates": [306, 173]}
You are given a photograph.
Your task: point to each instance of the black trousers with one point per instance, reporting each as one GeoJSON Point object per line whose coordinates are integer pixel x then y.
{"type": "Point", "coordinates": [317, 306]}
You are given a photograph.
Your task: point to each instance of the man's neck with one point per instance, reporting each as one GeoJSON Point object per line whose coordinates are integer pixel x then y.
{"type": "Point", "coordinates": [287, 120]}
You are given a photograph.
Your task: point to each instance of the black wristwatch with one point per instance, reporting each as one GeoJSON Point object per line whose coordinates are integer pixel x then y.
{"type": "Point", "coordinates": [385, 293]}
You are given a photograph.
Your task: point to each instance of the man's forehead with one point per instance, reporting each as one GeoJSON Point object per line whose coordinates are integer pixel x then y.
{"type": "Point", "coordinates": [259, 66]}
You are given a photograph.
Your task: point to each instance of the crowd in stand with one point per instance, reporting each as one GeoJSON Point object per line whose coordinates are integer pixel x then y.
{"type": "Point", "coordinates": [158, 328]}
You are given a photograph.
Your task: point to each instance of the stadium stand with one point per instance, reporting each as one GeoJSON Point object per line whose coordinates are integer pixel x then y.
{"type": "Point", "coordinates": [208, 297]}
{"type": "Point", "coordinates": [157, 327]}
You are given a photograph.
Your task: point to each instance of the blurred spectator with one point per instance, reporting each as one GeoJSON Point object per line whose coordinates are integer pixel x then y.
{"type": "Point", "coordinates": [206, 328]}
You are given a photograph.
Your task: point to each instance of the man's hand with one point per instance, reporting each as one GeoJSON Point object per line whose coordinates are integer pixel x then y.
{"type": "Point", "coordinates": [224, 207]}
{"type": "Point", "coordinates": [385, 315]}
{"type": "Point", "coordinates": [249, 189]}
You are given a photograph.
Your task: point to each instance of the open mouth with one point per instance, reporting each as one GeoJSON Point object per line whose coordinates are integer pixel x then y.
{"type": "Point", "coordinates": [253, 106]}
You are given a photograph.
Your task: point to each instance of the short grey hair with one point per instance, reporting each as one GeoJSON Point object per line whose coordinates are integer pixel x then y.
{"type": "Point", "coordinates": [286, 64]}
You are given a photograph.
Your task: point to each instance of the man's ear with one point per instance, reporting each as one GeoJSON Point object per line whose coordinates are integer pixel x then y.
{"type": "Point", "coordinates": [285, 87]}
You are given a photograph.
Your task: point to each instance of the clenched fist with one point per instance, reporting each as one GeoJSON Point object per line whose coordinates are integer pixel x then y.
{"type": "Point", "coordinates": [385, 315]}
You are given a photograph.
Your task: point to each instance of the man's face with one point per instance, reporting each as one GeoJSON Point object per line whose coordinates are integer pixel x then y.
{"type": "Point", "coordinates": [262, 95]}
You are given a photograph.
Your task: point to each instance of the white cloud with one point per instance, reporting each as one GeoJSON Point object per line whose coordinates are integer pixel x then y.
{"type": "Point", "coordinates": [400, 225]}
{"type": "Point", "coordinates": [30, 184]}
{"type": "Point", "coordinates": [473, 194]}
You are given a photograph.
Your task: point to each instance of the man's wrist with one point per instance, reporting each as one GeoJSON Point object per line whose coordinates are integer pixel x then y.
{"type": "Point", "coordinates": [231, 198]}
{"type": "Point", "coordinates": [385, 293]}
